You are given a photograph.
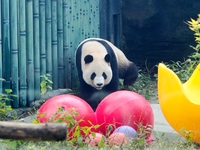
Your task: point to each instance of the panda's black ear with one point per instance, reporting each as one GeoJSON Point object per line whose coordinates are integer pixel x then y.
{"type": "Point", "coordinates": [107, 58]}
{"type": "Point", "coordinates": [88, 59]}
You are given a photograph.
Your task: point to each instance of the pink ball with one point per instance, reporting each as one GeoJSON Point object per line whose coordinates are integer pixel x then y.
{"type": "Point", "coordinates": [117, 139]}
{"type": "Point", "coordinates": [93, 140]}
{"type": "Point", "coordinates": [66, 102]}
{"type": "Point", "coordinates": [124, 108]}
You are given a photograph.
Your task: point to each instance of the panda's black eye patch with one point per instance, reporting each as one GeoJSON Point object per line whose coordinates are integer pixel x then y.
{"type": "Point", "coordinates": [107, 58]}
{"type": "Point", "coordinates": [88, 59]}
{"type": "Point", "coordinates": [93, 76]}
{"type": "Point", "coordinates": [104, 75]}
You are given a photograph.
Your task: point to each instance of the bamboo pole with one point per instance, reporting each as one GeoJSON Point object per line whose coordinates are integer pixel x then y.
{"type": "Point", "coordinates": [66, 40]}
{"type": "Point", "coordinates": [36, 37]}
{"type": "Point", "coordinates": [69, 42]}
{"type": "Point", "coordinates": [54, 45]}
{"type": "Point", "coordinates": [42, 37]}
{"type": "Point", "coordinates": [73, 37]}
{"type": "Point", "coordinates": [48, 38]}
{"type": "Point", "coordinates": [60, 44]}
{"type": "Point", "coordinates": [34, 132]}
{"type": "Point", "coordinates": [6, 44]}
{"type": "Point", "coordinates": [95, 19]}
{"type": "Point", "coordinates": [30, 52]}
{"type": "Point", "coordinates": [77, 37]}
{"type": "Point", "coordinates": [14, 51]}
{"type": "Point", "coordinates": [92, 17]}
{"type": "Point", "coordinates": [22, 53]}
{"type": "Point", "coordinates": [1, 54]}
{"type": "Point", "coordinates": [81, 20]}
{"type": "Point", "coordinates": [86, 20]}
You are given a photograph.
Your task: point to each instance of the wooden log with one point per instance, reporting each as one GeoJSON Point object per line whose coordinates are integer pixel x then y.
{"type": "Point", "coordinates": [34, 132]}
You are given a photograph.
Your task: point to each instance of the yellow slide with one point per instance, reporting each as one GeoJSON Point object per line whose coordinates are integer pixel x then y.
{"type": "Point", "coordinates": [180, 103]}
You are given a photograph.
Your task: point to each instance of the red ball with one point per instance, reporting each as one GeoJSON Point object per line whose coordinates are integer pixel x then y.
{"type": "Point", "coordinates": [48, 112]}
{"type": "Point", "coordinates": [124, 108]}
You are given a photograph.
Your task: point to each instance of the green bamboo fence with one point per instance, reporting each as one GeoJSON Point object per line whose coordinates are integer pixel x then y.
{"type": "Point", "coordinates": [39, 37]}
{"type": "Point", "coordinates": [36, 47]}
{"type": "Point", "coordinates": [48, 37]}
{"type": "Point", "coordinates": [14, 51]}
{"type": "Point", "coordinates": [60, 43]}
{"type": "Point", "coordinates": [54, 44]}
{"type": "Point", "coordinates": [66, 41]}
{"type": "Point", "coordinates": [30, 50]}
{"type": "Point", "coordinates": [22, 52]}
{"type": "Point", "coordinates": [6, 44]}
{"type": "Point", "coordinates": [1, 54]}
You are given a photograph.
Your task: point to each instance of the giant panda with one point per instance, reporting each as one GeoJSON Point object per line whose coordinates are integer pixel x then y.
{"type": "Point", "coordinates": [100, 64]}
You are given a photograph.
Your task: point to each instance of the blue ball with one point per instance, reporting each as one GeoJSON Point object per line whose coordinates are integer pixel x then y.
{"type": "Point", "coordinates": [128, 131]}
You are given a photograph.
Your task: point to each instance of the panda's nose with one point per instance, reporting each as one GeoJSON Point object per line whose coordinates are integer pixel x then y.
{"type": "Point", "coordinates": [99, 84]}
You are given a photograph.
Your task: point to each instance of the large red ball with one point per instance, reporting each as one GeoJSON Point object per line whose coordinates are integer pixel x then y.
{"type": "Point", "coordinates": [66, 102]}
{"type": "Point", "coordinates": [124, 108]}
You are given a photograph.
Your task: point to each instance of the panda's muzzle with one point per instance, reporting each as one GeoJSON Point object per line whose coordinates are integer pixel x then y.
{"type": "Point", "coordinates": [99, 86]}
{"type": "Point", "coordinates": [98, 82]}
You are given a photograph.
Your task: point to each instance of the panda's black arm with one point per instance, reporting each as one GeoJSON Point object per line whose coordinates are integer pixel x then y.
{"type": "Point", "coordinates": [128, 73]}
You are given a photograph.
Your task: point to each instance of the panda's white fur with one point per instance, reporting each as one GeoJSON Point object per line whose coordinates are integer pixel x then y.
{"type": "Point", "coordinates": [98, 65]}
{"type": "Point", "coordinates": [122, 61]}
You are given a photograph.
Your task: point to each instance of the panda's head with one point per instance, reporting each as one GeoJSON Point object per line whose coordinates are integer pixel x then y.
{"type": "Point", "coordinates": [96, 67]}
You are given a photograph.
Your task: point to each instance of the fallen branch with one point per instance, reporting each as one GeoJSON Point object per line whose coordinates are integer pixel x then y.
{"type": "Point", "coordinates": [35, 132]}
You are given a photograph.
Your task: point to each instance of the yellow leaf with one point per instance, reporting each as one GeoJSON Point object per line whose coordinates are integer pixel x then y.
{"type": "Point", "coordinates": [193, 21]}
{"type": "Point", "coordinates": [3, 110]}
{"type": "Point", "coordinates": [191, 28]}
{"type": "Point", "coordinates": [43, 91]}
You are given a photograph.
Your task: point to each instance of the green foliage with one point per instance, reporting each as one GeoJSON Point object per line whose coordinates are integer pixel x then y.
{"type": "Point", "coordinates": [45, 83]}
{"type": "Point", "coordinates": [144, 85]}
{"type": "Point", "coordinates": [12, 144]}
{"type": "Point", "coordinates": [75, 131]}
{"type": "Point", "coordinates": [77, 134]}
{"type": "Point", "coordinates": [4, 108]}
{"type": "Point", "coordinates": [189, 135]}
{"type": "Point", "coordinates": [185, 69]}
